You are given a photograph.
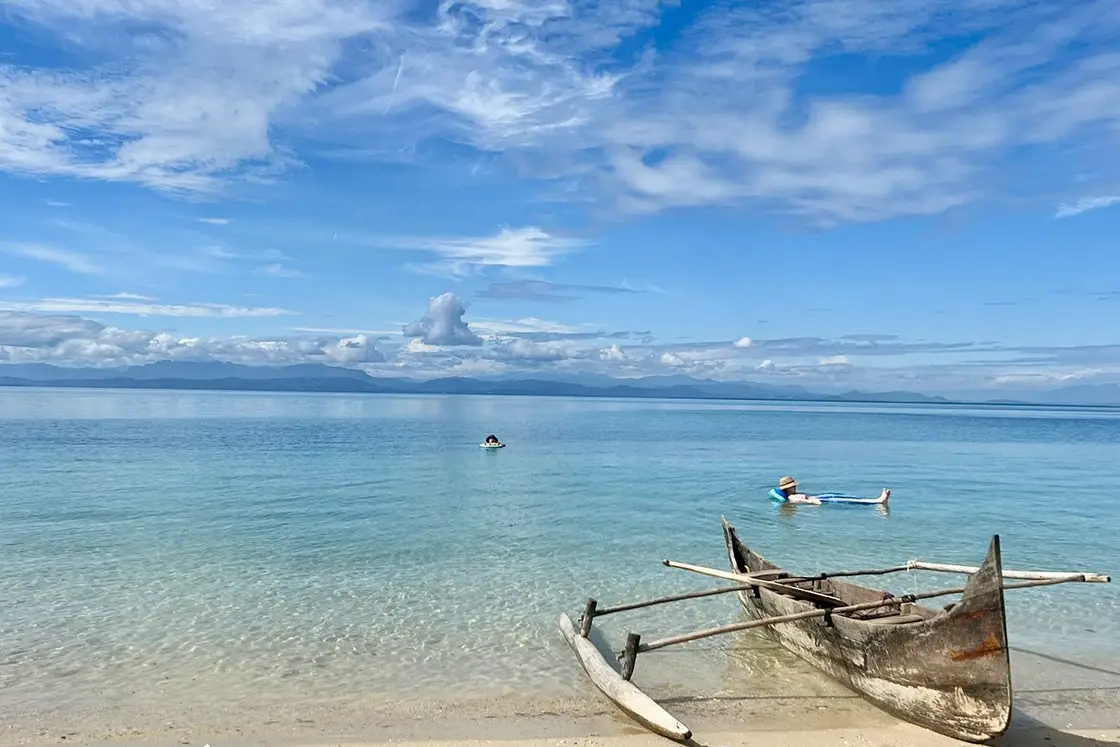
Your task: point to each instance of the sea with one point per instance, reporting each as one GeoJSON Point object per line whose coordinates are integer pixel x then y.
{"type": "Point", "coordinates": [175, 550]}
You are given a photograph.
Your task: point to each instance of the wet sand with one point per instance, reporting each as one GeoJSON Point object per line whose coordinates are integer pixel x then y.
{"type": "Point", "coordinates": [584, 721]}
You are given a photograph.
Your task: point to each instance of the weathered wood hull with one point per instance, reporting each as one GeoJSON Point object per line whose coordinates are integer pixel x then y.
{"type": "Point", "coordinates": [621, 692]}
{"type": "Point", "coordinates": [948, 671]}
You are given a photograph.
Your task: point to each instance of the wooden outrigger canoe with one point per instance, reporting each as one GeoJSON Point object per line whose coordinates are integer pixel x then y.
{"type": "Point", "coordinates": [947, 670]}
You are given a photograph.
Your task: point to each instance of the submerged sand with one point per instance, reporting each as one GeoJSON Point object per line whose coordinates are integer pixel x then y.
{"type": "Point", "coordinates": [753, 696]}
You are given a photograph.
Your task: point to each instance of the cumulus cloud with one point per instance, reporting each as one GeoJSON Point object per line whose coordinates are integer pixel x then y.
{"type": "Point", "coordinates": [70, 339]}
{"type": "Point", "coordinates": [443, 324]}
{"type": "Point", "coordinates": [73, 340]}
{"type": "Point", "coordinates": [356, 349]}
{"type": "Point", "coordinates": [614, 353]}
{"type": "Point", "coordinates": [527, 350]}
{"type": "Point", "coordinates": [35, 331]}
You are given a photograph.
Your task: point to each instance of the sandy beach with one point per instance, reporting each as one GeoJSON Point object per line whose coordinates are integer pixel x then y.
{"type": "Point", "coordinates": [584, 721]}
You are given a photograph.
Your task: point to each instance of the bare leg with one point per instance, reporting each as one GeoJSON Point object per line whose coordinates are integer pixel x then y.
{"type": "Point", "coordinates": [885, 495]}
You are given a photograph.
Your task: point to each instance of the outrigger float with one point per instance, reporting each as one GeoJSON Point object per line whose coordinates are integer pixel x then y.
{"type": "Point", "coordinates": [947, 670]}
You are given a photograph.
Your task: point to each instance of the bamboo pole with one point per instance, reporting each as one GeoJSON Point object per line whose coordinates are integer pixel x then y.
{"type": "Point", "coordinates": [751, 580]}
{"type": "Point", "coordinates": [892, 601]}
{"type": "Point", "coordinates": [1092, 578]}
{"type": "Point", "coordinates": [666, 600]}
{"type": "Point", "coordinates": [1071, 576]}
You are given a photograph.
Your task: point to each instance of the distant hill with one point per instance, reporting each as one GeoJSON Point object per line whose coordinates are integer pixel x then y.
{"type": "Point", "coordinates": [317, 377]}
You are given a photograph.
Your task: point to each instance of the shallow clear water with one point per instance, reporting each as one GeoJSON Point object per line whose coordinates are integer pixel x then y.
{"type": "Point", "coordinates": [195, 547]}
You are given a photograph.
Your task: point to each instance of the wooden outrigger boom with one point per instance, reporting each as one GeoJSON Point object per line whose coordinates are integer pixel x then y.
{"type": "Point", "coordinates": [947, 670]}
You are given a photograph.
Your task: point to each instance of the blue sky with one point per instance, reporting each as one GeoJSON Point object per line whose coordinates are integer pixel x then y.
{"type": "Point", "coordinates": [918, 194]}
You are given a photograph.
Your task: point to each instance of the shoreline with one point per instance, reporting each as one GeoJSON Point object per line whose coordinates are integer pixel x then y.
{"type": "Point", "coordinates": [1057, 719]}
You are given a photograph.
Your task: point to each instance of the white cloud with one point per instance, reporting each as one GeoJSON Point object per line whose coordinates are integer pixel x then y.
{"type": "Point", "coordinates": [416, 346]}
{"type": "Point", "coordinates": [11, 281]}
{"type": "Point", "coordinates": [140, 308]}
{"type": "Point", "coordinates": [73, 261]}
{"type": "Point", "coordinates": [129, 297]}
{"type": "Point", "coordinates": [1085, 204]}
{"type": "Point", "coordinates": [721, 116]}
{"type": "Point", "coordinates": [528, 350]}
{"type": "Point", "coordinates": [614, 353]}
{"type": "Point", "coordinates": [443, 324]}
{"type": "Point", "coordinates": [187, 95]}
{"type": "Point", "coordinates": [506, 327]}
{"type": "Point", "coordinates": [356, 349]}
{"type": "Point", "coordinates": [215, 221]}
{"type": "Point", "coordinates": [510, 247]}
{"type": "Point", "coordinates": [279, 270]}
{"type": "Point", "coordinates": [72, 340]}
{"type": "Point", "coordinates": [348, 331]}
{"type": "Point", "coordinates": [193, 93]}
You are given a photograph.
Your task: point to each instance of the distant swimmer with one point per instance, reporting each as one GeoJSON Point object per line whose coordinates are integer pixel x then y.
{"type": "Point", "coordinates": [787, 491]}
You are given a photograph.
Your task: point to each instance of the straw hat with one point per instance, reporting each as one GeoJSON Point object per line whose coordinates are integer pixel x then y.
{"type": "Point", "coordinates": [786, 483]}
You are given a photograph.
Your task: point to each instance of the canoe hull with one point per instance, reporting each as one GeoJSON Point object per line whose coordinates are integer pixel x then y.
{"type": "Point", "coordinates": [625, 695]}
{"type": "Point", "coordinates": [948, 671]}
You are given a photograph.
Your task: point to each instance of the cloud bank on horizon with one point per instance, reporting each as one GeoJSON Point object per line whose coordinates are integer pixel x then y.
{"type": "Point", "coordinates": [442, 342]}
{"type": "Point", "coordinates": [333, 163]}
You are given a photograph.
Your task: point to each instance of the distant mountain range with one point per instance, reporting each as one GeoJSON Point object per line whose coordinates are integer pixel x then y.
{"type": "Point", "coordinates": [315, 377]}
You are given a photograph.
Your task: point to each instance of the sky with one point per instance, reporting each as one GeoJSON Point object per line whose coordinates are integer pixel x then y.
{"type": "Point", "coordinates": [836, 194]}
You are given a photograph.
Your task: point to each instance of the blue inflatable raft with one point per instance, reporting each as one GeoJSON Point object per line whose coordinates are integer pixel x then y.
{"type": "Point", "coordinates": [779, 495]}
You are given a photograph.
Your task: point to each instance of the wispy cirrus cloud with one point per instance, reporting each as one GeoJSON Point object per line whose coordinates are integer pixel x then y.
{"type": "Point", "coordinates": [540, 290]}
{"type": "Point", "coordinates": [215, 221]}
{"type": "Point", "coordinates": [1085, 204]}
{"type": "Point", "coordinates": [75, 262]}
{"type": "Point", "coordinates": [280, 270]}
{"type": "Point", "coordinates": [125, 120]}
{"type": "Point", "coordinates": [144, 307]}
{"type": "Point", "coordinates": [729, 110]}
{"type": "Point", "coordinates": [11, 281]}
{"type": "Point", "coordinates": [123, 296]}
{"type": "Point", "coordinates": [529, 246]}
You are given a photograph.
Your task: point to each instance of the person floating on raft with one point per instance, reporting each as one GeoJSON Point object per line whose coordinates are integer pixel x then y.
{"type": "Point", "coordinates": [492, 442]}
{"type": "Point", "coordinates": [787, 491]}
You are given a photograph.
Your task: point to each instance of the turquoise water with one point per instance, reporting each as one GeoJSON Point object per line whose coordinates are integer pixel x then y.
{"type": "Point", "coordinates": [195, 547]}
